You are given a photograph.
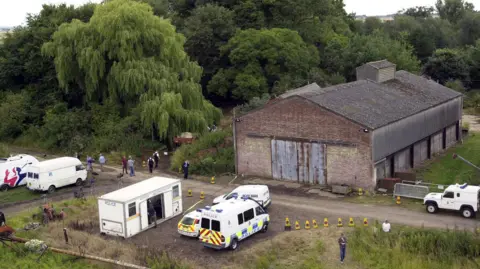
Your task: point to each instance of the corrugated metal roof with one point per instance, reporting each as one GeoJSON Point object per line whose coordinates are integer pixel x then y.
{"type": "Point", "coordinates": [374, 105]}
{"type": "Point", "coordinates": [381, 64]}
{"type": "Point", "coordinates": [138, 189]}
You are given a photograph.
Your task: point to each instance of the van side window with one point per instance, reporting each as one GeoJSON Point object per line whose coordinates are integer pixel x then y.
{"type": "Point", "coordinates": [79, 167]}
{"type": "Point", "coordinates": [205, 223]}
{"type": "Point", "coordinates": [240, 218]}
{"type": "Point", "coordinates": [132, 209]}
{"type": "Point", "coordinates": [35, 176]}
{"type": "Point", "coordinates": [248, 215]}
{"type": "Point", "coordinates": [176, 191]}
{"type": "Point", "coordinates": [458, 194]}
{"type": "Point", "coordinates": [448, 195]}
{"type": "Point", "coordinates": [259, 211]}
{"type": "Point", "coordinates": [30, 175]}
{"type": "Point", "coordinates": [216, 225]}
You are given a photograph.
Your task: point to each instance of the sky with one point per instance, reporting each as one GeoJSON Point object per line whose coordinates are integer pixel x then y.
{"type": "Point", "coordinates": [13, 12]}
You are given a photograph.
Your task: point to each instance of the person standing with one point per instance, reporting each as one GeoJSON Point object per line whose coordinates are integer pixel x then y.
{"type": "Point", "coordinates": [102, 161]}
{"type": "Point", "coordinates": [3, 222]}
{"type": "Point", "coordinates": [386, 226]}
{"type": "Point", "coordinates": [150, 164]}
{"type": "Point", "coordinates": [186, 164]}
{"type": "Point", "coordinates": [152, 213]}
{"type": "Point", "coordinates": [156, 157]}
{"type": "Point", "coordinates": [131, 163]}
{"type": "Point", "coordinates": [89, 164]}
{"type": "Point", "coordinates": [342, 242]}
{"type": "Point", "coordinates": [124, 165]}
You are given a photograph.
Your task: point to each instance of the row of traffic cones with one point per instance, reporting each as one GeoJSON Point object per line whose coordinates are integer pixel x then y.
{"type": "Point", "coordinates": [351, 223]}
{"type": "Point", "coordinates": [202, 194]}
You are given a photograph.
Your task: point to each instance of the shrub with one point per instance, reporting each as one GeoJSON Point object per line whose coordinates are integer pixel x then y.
{"type": "Point", "coordinates": [211, 154]}
{"type": "Point", "coordinates": [4, 151]}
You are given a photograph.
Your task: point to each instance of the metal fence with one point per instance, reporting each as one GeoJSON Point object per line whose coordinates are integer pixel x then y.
{"type": "Point", "coordinates": [414, 191]}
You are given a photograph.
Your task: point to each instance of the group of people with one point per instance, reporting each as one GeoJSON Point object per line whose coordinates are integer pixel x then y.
{"type": "Point", "coordinates": [128, 165]}
{"type": "Point", "coordinates": [342, 241]}
{"type": "Point", "coordinates": [50, 214]}
{"type": "Point", "coordinates": [101, 160]}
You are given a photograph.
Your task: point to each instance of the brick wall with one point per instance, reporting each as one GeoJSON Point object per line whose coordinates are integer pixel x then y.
{"type": "Point", "coordinates": [298, 118]}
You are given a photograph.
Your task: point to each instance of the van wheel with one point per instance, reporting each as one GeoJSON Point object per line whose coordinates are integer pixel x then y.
{"type": "Point", "coordinates": [432, 208]}
{"type": "Point", "coordinates": [467, 212]}
{"type": "Point", "coordinates": [79, 182]}
{"type": "Point", "coordinates": [51, 189]}
{"type": "Point", "coordinates": [234, 244]}
{"type": "Point", "coordinates": [4, 187]}
{"type": "Point", "coordinates": [265, 228]}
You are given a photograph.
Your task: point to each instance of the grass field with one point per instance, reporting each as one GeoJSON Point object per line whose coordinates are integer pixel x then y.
{"type": "Point", "coordinates": [446, 170]}
{"type": "Point", "coordinates": [17, 195]}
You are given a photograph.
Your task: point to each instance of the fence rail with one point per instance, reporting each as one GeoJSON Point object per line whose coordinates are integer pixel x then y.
{"type": "Point", "coordinates": [414, 191]}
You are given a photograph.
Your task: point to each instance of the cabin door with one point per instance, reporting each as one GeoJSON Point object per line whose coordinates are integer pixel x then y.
{"type": "Point", "coordinates": [143, 215]}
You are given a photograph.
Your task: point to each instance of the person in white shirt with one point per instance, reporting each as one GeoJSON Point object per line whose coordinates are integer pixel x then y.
{"type": "Point", "coordinates": [386, 226]}
{"type": "Point", "coordinates": [102, 161]}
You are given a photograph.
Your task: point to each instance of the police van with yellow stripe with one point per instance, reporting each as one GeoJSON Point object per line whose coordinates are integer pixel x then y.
{"type": "Point", "coordinates": [225, 224]}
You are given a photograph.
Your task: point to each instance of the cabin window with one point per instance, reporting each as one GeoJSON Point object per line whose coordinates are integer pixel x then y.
{"type": "Point", "coordinates": [205, 223]}
{"type": "Point", "coordinates": [79, 167]}
{"type": "Point", "coordinates": [248, 215]}
{"type": "Point", "coordinates": [216, 225]}
{"type": "Point", "coordinates": [30, 175]}
{"type": "Point", "coordinates": [35, 176]}
{"type": "Point", "coordinates": [132, 209]}
{"type": "Point", "coordinates": [259, 210]}
{"type": "Point", "coordinates": [448, 195]}
{"type": "Point", "coordinates": [176, 191]}
{"type": "Point", "coordinates": [240, 218]}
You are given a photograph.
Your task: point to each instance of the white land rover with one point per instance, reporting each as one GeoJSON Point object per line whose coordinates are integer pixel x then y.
{"type": "Point", "coordinates": [463, 198]}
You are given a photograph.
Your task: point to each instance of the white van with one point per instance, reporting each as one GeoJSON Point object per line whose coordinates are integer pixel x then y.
{"type": "Point", "coordinates": [225, 224]}
{"type": "Point", "coordinates": [463, 198]}
{"type": "Point", "coordinates": [52, 174]}
{"type": "Point", "coordinates": [259, 193]}
{"type": "Point", "coordinates": [14, 170]}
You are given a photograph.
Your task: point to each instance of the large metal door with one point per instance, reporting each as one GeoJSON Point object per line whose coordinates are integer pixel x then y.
{"type": "Point", "coordinates": [298, 161]}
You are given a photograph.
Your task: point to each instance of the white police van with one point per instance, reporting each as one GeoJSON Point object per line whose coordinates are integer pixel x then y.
{"type": "Point", "coordinates": [259, 193]}
{"type": "Point", "coordinates": [225, 224]}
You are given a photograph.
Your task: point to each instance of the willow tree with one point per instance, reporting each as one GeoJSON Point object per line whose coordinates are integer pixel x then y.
{"type": "Point", "coordinates": [127, 55]}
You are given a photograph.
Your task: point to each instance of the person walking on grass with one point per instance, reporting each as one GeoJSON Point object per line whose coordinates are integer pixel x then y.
{"type": "Point", "coordinates": [102, 161]}
{"type": "Point", "coordinates": [150, 164]}
{"type": "Point", "coordinates": [156, 157]}
{"type": "Point", "coordinates": [342, 242]}
{"type": "Point", "coordinates": [186, 164]}
{"type": "Point", "coordinates": [131, 163]}
{"type": "Point", "coordinates": [124, 165]}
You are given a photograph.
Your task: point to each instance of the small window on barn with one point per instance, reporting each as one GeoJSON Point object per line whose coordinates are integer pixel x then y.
{"type": "Point", "coordinates": [176, 191]}
{"type": "Point", "coordinates": [132, 209]}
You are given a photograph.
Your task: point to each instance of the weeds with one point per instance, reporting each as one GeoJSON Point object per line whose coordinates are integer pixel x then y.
{"type": "Point", "coordinates": [4, 152]}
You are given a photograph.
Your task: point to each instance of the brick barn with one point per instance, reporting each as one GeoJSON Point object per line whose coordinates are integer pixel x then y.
{"type": "Point", "coordinates": [386, 121]}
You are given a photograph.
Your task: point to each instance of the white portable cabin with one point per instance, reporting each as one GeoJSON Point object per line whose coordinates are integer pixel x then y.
{"type": "Point", "coordinates": [124, 212]}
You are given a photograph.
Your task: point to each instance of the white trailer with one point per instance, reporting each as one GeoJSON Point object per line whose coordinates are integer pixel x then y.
{"type": "Point", "coordinates": [124, 212]}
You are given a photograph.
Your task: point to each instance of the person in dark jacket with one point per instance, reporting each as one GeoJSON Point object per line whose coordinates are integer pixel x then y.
{"type": "Point", "coordinates": [152, 213]}
{"type": "Point", "coordinates": [151, 162]}
{"type": "Point", "coordinates": [156, 157]}
{"type": "Point", "coordinates": [124, 165]}
{"type": "Point", "coordinates": [3, 222]}
{"type": "Point", "coordinates": [342, 243]}
{"type": "Point", "coordinates": [186, 164]}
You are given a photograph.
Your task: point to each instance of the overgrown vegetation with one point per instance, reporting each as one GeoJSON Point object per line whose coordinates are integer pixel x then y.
{"type": "Point", "coordinates": [211, 154]}
{"type": "Point", "coordinates": [408, 248]}
{"type": "Point", "coordinates": [17, 194]}
{"type": "Point", "coordinates": [446, 170]}
{"type": "Point", "coordinates": [4, 151]}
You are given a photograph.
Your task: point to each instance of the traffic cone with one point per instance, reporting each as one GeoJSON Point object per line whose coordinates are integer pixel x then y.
{"type": "Point", "coordinates": [297, 225]}
{"type": "Point", "coordinates": [325, 222]}
{"type": "Point", "coordinates": [189, 193]}
{"type": "Point", "coordinates": [351, 223]}
{"type": "Point", "coordinates": [288, 227]}
{"type": "Point", "coordinates": [360, 191]}
{"type": "Point", "coordinates": [340, 224]}
{"type": "Point", "coordinates": [365, 222]}
{"type": "Point", "coordinates": [202, 195]}
{"type": "Point", "coordinates": [398, 200]}
{"type": "Point", "coordinates": [144, 164]}
{"type": "Point", "coordinates": [212, 180]}
{"type": "Point", "coordinates": [307, 225]}
{"type": "Point", "coordinates": [315, 225]}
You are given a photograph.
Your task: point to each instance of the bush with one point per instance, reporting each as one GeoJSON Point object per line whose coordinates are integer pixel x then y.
{"type": "Point", "coordinates": [4, 151]}
{"type": "Point", "coordinates": [211, 154]}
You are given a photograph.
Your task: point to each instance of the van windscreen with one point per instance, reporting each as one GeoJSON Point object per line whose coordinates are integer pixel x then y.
{"type": "Point", "coordinates": [205, 223]}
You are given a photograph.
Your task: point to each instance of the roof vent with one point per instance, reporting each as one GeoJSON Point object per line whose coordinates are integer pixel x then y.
{"type": "Point", "coordinates": [379, 71]}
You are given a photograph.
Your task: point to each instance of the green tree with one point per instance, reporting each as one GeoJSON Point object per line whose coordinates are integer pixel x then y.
{"type": "Point", "coordinates": [261, 59]}
{"type": "Point", "coordinates": [207, 29]}
{"type": "Point", "coordinates": [126, 55]}
{"type": "Point", "coordinates": [453, 10]}
{"type": "Point", "coordinates": [469, 28]}
{"type": "Point", "coordinates": [446, 65]}
{"type": "Point", "coordinates": [12, 115]}
{"type": "Point", "coordinates": [418, 12]}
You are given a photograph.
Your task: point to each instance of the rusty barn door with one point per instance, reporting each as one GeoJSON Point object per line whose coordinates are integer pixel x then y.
{"type": "Point", "coordinates": [298, 161]}
{"type": "Point", "coordinates": [284, 160]}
